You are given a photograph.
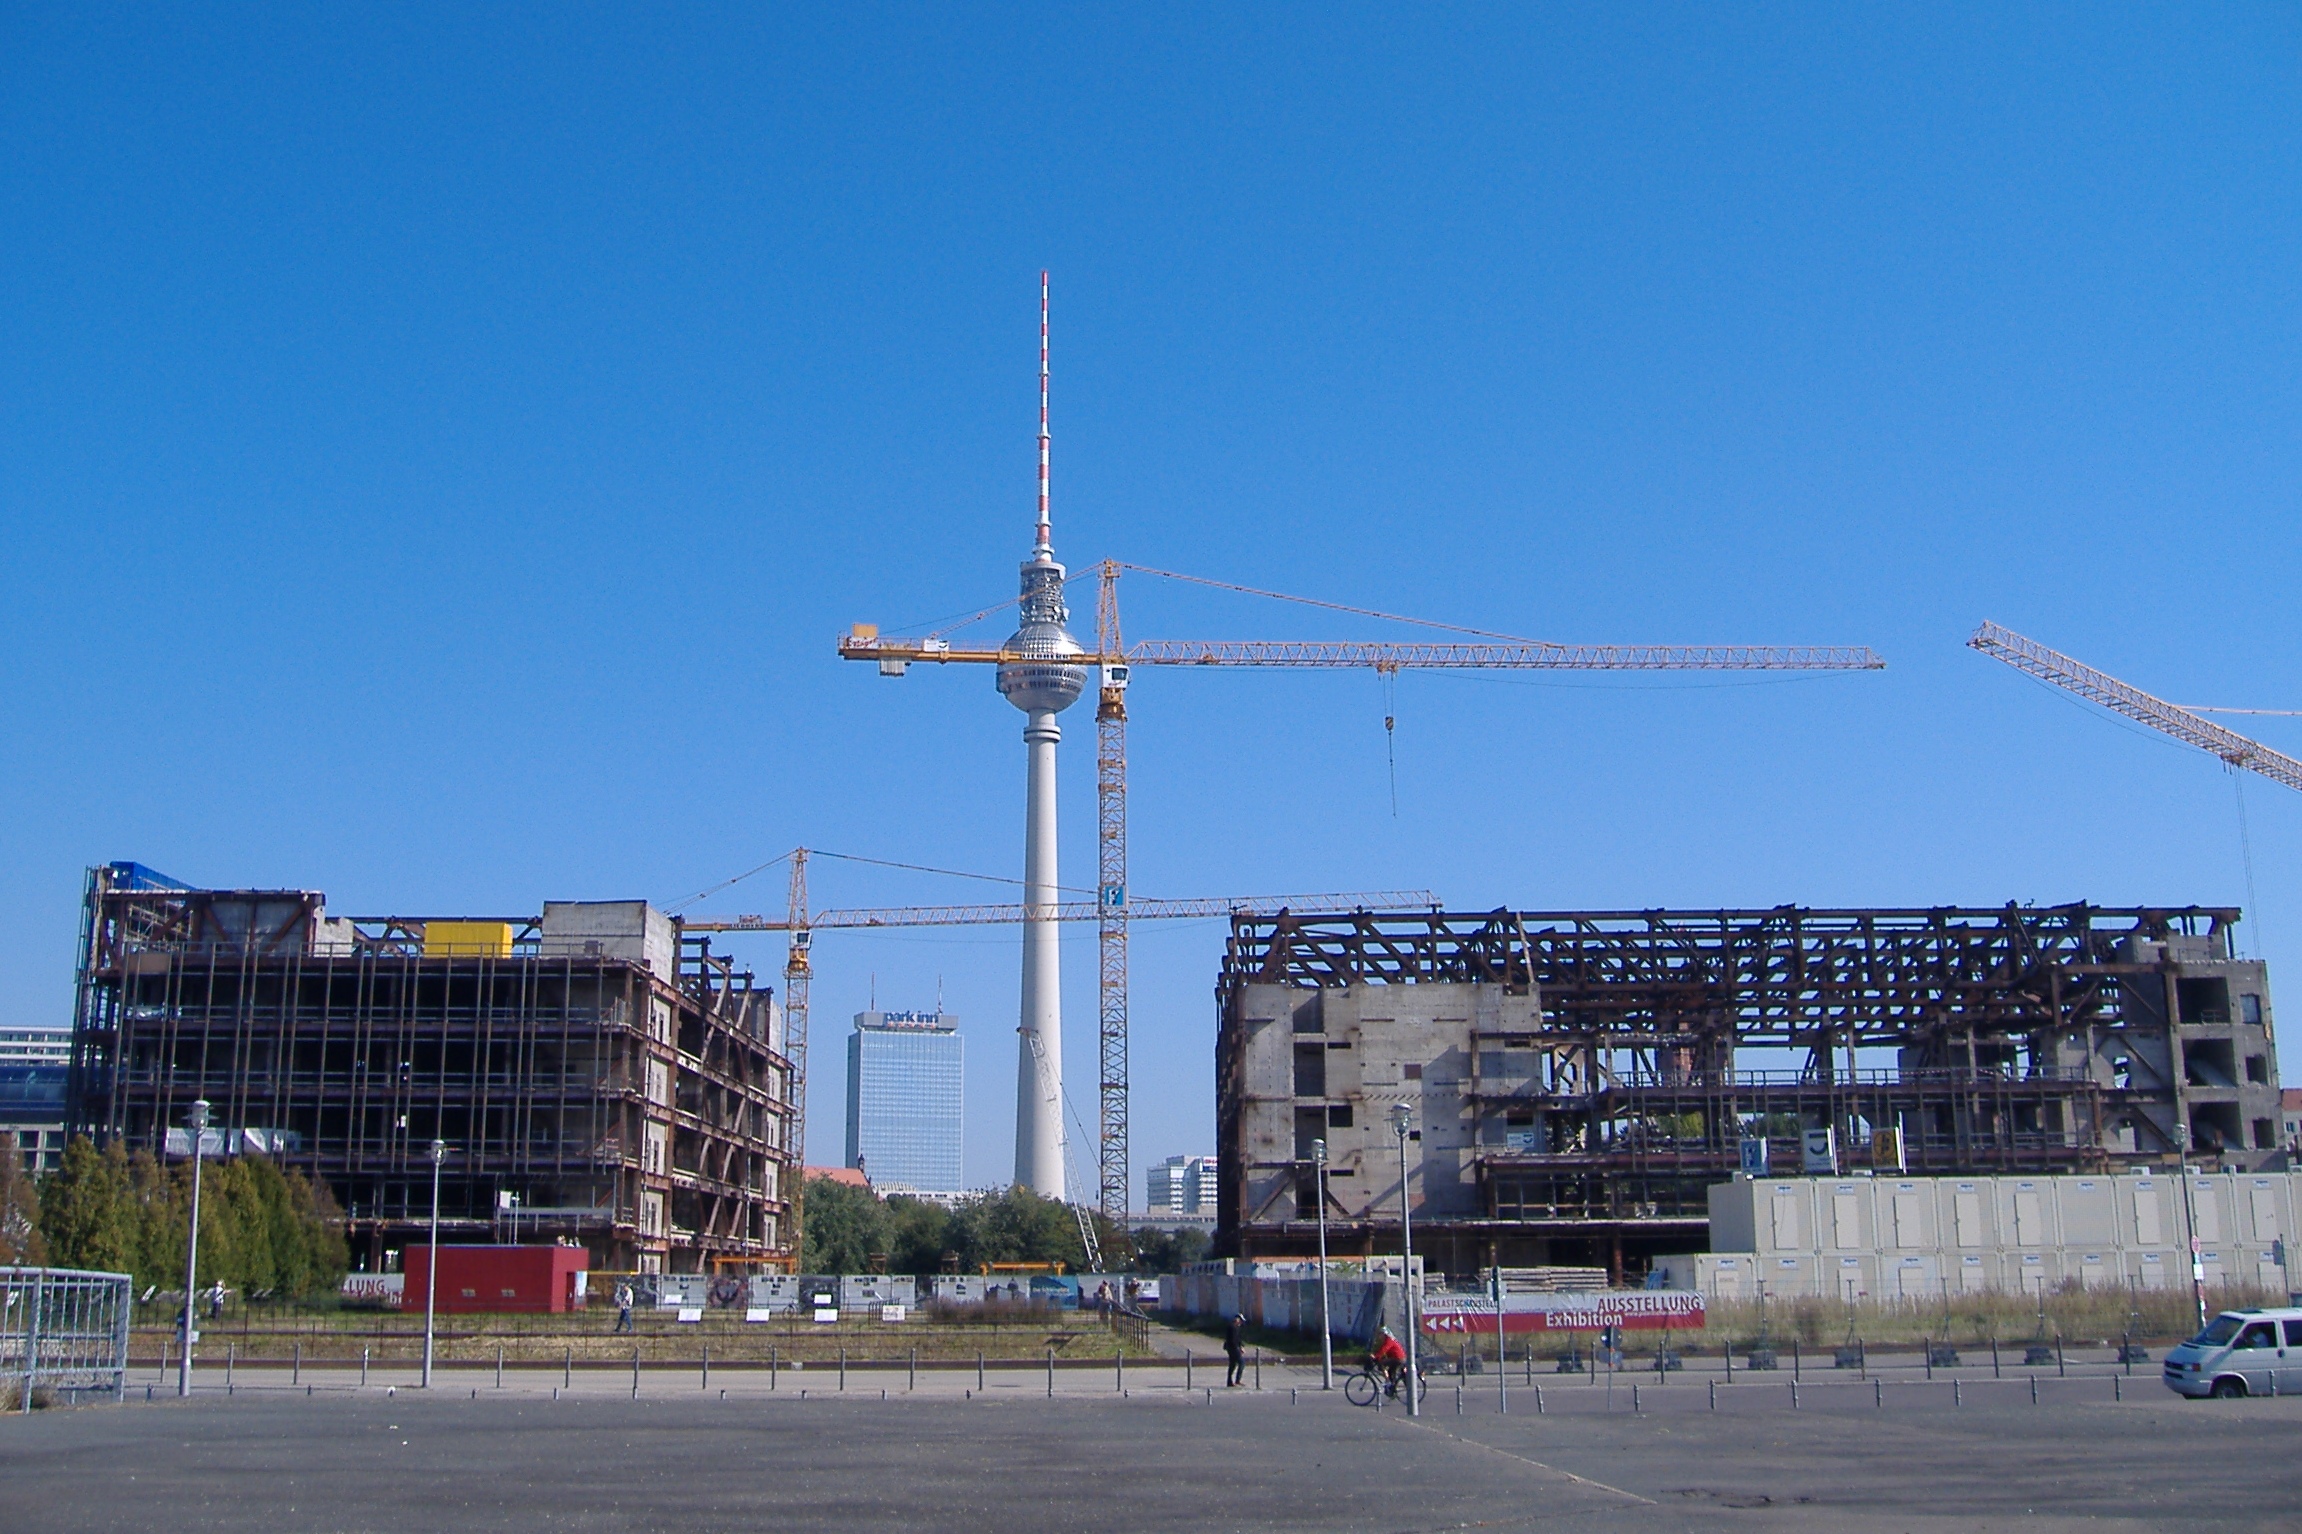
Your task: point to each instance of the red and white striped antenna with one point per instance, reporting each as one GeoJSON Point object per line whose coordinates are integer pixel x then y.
{"type": "Point", "coordinates": [1042, 545]}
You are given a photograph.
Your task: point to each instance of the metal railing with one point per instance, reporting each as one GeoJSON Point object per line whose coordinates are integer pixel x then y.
{"type": "Point", "coordinates": [63, 1330]}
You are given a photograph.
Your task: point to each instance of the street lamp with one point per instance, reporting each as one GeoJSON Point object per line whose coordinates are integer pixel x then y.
{"type": "Point", "coordinates": [1326, 1330]}
{"type": "Point", "coordinates": [1401, 1116]}
{"type": "Point", "coordinates": [2190, 1225]}
{"type": "Point", "coordinates": [432, 1260]}
{"type": "Point", "coordinates": [198, 1119]}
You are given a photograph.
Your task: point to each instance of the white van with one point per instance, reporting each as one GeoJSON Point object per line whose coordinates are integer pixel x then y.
{"type": "Point", "coordinates": [2240, 1353]}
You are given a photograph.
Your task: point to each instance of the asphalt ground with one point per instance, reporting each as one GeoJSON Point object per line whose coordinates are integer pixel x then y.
{"type": "Point", "coordinates": [469, 1457]}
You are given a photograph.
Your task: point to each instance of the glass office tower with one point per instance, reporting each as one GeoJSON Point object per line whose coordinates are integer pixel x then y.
{"type": "Point", "coordinates": [904, 1077]}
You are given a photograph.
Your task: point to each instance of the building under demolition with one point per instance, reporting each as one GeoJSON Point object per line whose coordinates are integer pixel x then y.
{"type": "Point", "coordinates": [594, 1073]}
{"type": "Point", "coordinates": [1579, 1080]}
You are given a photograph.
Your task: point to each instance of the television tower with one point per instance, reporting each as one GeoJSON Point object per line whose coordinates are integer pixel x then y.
{"type": "Point", "coordinates": [1043, 680]}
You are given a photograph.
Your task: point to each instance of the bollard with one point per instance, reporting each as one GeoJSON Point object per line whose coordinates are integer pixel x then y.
{"type": "Point", "coordinates": [913, 1382]}
{"type": "Point", "coordinates": [363, 1368]}
{"type": "Point", "coordinates": [499, 1366]}
{"type": "Point", "coordinates": [1259, 1370]}
{"type": "Point", "coordinates": [1794, 1395]}
{"type": "Point", "coordinates": [843, 1368]}
{"type": "Point", "coordinates": [1186, 1368]}
{"type": "Point", "coordinates": [1957, 1393]}
{"type": "Point", "coordinates": [567, 1369]}
{"type": "Point", "coordinates": [978, 1368]}
{"type": "Point", "coordinates": [706, 1385]}
{"type": "Point", "coordinates": [1928, 1344]}
{"type": "Point", "coordinates": [1530, 1363]}
{"type": "Point", "coordinates": [1878, 1394]}
{"type": "Point", "coordinates": [164, 1342]}
{"type": "Point", "coordinates": [2064, 1373]}
{"type": "Point", "coordinates": [1050, 1374]}
{"type": "Point", "coordinates": [635, 1371]}
{"type": "Point", "coordinates": [2116, 1394]}
{"type": "Point", "coordinates": [297, 1378]}
{"type": "Point", "coordinates": [1729, 1350]}
{"type": "Point", "coordinates": [1538, 1400]}
{"type": "Point", "coordinates": [1794, 1358]}
{"type": "Point", "coordinates": [229, 1351]}
{"type": "Point", "coordinates": [1994, 1358]}
{"type": "Point", "coordinates": [1634, 1398]}
{"type": "Point", "coordinates": [773, 1360]}
{"type": "Point", "coordinates": [2034, 1390]}
{"type": "Point", "coordinates": [1119, 1373]}
{"type": "Point", "coordinates": [1714, 1395]}
{"type": "Point", "coordinates": [1459, 1399]}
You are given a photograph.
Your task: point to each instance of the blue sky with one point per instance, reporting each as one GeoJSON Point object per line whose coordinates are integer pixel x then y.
{"type": "Point", "coordinates": [440, 446]}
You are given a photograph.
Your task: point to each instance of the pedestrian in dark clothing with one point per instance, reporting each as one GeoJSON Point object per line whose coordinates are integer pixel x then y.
{"type": "Point", "coordinates": [1235, 1349]}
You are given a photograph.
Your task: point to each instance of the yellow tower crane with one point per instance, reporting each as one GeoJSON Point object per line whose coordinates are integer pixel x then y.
{"type": "Point", "coordinates": [1115, 660]}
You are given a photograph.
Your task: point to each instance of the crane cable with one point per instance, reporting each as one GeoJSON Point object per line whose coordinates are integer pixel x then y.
{"type": "Point", "coordinates": [2245, 847]}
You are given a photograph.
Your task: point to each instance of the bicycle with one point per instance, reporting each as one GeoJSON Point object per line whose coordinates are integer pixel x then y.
{"type": "Point", "coordinates": [1366, 1388]}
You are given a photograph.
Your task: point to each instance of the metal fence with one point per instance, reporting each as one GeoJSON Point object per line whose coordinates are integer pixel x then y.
{"type": "Point", "coordinates": [63, 1331]}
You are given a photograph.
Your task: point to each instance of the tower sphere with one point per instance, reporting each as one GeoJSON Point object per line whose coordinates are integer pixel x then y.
{"type": "Point", "coordinates": [1037, 680]}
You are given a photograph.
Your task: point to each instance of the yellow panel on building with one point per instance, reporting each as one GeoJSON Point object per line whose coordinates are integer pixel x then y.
{"type": "Point", "coordinates": [468, 939]}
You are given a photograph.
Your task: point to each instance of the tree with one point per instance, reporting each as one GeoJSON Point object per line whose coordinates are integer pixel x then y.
{"type": "Point", "coordinates": [846, 1226]}
{"type": "Point", "coordinates": [87, 1212]}
{"type": "Point", "coordinates": [920, 1238]}
{"type": "Point", "coordinates": [1168, 1251]}
{"type": "Point", "coordinates": [21, 1243]}
{"type": "Point", "coordinates": [163, 1198]}
{"type": "Point", "coordinates": [322, 1255]}
{"type": "Point", "coordinates": [1017, 1226]}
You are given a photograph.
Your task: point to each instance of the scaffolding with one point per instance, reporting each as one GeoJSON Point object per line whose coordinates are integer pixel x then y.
{"type": "Point", "coordinates": [624, 1088]}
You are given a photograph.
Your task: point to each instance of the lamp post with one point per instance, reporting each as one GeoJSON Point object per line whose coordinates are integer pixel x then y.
{"type": "Point", "coordinates": [432, 1260]}
{"type": "Point", "coordinates": [1401, 1116]}
{"type": "Point", "coordinates": [1326, 1329]}
{"type": "Point", "coordinates": [2190, 1226]}
{"type": "Point", "coordinates": [198, 1120]}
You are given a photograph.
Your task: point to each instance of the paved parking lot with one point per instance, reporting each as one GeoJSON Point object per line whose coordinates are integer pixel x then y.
{"type": "Point", "coordinates": [1011, 1460]}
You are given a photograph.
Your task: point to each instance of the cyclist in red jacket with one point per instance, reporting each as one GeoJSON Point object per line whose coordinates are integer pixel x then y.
{"type": "Point", "coordinates": [1387, 1359]}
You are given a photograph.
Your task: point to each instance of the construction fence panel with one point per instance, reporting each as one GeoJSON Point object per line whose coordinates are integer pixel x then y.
{"type": "Point", "coordinates": [63, 1330]}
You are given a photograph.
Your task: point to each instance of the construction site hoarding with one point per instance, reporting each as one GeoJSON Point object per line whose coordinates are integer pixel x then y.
{"type": "Point", "coordinates": [1634, 1310]}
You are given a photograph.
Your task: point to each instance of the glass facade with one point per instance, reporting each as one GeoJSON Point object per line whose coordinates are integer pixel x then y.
{"type": "Point", "coordinates": [904, 1117]}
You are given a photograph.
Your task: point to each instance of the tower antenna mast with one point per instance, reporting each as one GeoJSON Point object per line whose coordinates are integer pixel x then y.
{"type": "Point", "coordinates": [1042, 544]}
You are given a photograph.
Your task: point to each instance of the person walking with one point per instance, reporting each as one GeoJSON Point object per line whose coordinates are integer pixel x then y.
{"type": "Point", "coordinates": [1235, 1349]}
{"type": "Point", "coordinates": [623, 1307]}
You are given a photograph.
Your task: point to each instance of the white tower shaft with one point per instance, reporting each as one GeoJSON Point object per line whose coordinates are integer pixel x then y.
{"type": "Point", "coordinates": [1039, 1057]}
{"type": "Point", "coordinates": [1041, 675]}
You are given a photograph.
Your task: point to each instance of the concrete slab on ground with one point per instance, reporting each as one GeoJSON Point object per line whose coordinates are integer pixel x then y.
{"type": "Point", "coordinates": [354, 1461]}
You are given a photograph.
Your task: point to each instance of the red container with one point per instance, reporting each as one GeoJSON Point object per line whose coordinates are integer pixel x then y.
{"type": "Point", "coordinates": [527, 1278]}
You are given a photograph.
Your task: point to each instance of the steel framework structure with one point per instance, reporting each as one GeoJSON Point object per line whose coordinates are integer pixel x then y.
{"type": "Point", "coordinates": [1633, 1057]}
